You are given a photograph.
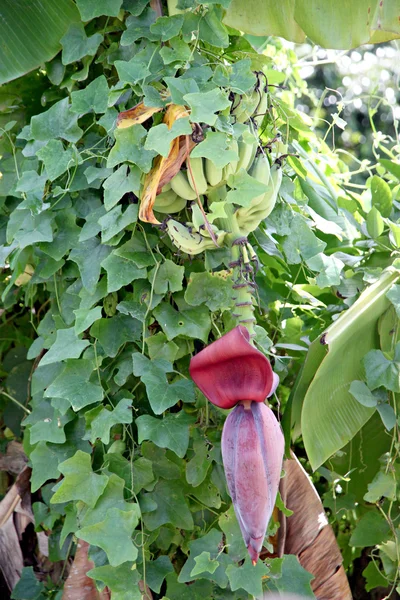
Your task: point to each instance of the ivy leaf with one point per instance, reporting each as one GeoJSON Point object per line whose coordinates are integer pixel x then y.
{"type": "Point", "coordinates": [120, 183]}
{"type": "Point", "coordinates": [47, 424]}
{"type": "Point", "coordinates": [382, 485]}
{"type": "Point", "coordinates": [179, 87]}
{"type": "Point", "coordinates": [56, 159]}
{"type": "Point", "coordinates": [387, 415]}
{"type": "Point", "coordinates": [73, 385]}
{"type": "Point", "coordinates": [394, 296]}
{"type": "Point", "coordinates": [247, 577]}
{"type": "Point", "coordinates": [212, 30]}
{"type": "Point", "coordinates": [27, 229]}
{"type": "Point", "coordinates": [301, 242]}
{"type": "Point", "coordinates": [128, 147]}
{"type": "Point", "coordinates": [209, 289]}
{"type": "Point", "coordinates": [46, 457]}
{"type": "Point", "coordinates": [114, 332]}
{"type": "Point", "coordinates": [89, 255]}
{"type": "Point", "coordinates": [161, 394]}
{"type": "Point", "coordinates": [362, 394]}
{"type": "Point", "coordinates": [56, 122]}
{"type": "Point", "coordinates": [381, 371]}
{"type": "Point", "coordinates": [67, 345]}
{"type": "Point", "coordinates": [122, 580]}
{"type": "Point", "coordinates": [204, 564]}
{"type": "Point", "coordinates": [99, 420]}
{"type": "Point", "coordinates": [166, 28]}
{"type": "Point", "coordinates": [66, 236]}
{"type": "Point", "coordinates": [171, 432]}
{"type": "Point", "coordinates": [90, 9]}
{"type": "Point", "coordinates": [216, 148]}
{"type": "Point", "coordinates": [160, 136]}
{"type": "Point", "coordinates": [211, 542]}
{"type": "Point", "coordinates": [168, 277]}
{"type": "Point", "coordinates": [139, 26]}
{"type": "Point", "coordinates": [79, 483]}
{"type": "Point", "coordinates": [370, 530]}
{"type": "Point", "coordinates": [238, 76]}
{"type": "Point", "coordinates": [76, 44]}
{"type": "Point", "coordinates": [204, 105]}
{"type": "Point", "coordinates": [134, 70]}
{"type": "Point", "coordinates": [198, 467]}
{"type": "Point", "coordinates": [28, 587]}
{"type": "Point", "coordinates": [234, 540]}
{"type": "Point", "coordinates": [381, 196]}
{"type": "Point", "coordinates": [159, 347]}
{"type": "Point", "coordinates": [374, 577]}
{"type": "Point", "coordinates": [177, 50]}
{"type": "Point", "coordinates": [193, 323]}
{"type": "Point", "coordinates": [329, 268]}
{"type": "Point", "coordinates": [112, 497]}
{"type": "Point", "coordinates": [115, 221]}
{"type": "Point", "coordinates": [171, 507]}
{"type": "Point", "coordinates": [84, 318]}
{"type": "Point", "coordinates": [120, 549]}
{"type": "Point", "coordinates": [245, 187]}
{"type": "Point", "coordinates": [294, 578]}
{"type": "Point", "coordinates": [93, 98]}
{"type": "Point", "coordinates": [156, 571]}
{"type": "Point", "coordinates": [121, 272]}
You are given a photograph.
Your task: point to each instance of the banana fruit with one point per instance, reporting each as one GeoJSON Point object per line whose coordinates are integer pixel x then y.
{"type": "Point", "coordinates": [189, 241]}
{"type": "Point", "coordinates": [198, 182]}
{"type": "Point", "coordinates": [231, 168]}
{"type": "Point", "coordinates": [247, 152]}
{"type": "Point", "coordinates": [249, 217]}
{"type": "Point", "coordinates": [169, 202]}
{"type": "Point", "coordinates": [181, 186]}
{"type": "Point", "coordinates": [214, 174]}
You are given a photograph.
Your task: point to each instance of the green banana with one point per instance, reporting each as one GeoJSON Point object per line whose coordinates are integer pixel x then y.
{"type": "Point", "coordinates": [214, 174]}
{"type": "Point", "coordinates": [166, 188]}
{"type": "Point", "coordinates": [165, 198]}
{"type": "Point", "coordinates": [231, 168]}
{"type": "Point", "coordinates": [261, 171]}
{"type": "Point", "coordinates": [197, 167]}
{"type": "Point", "coordinates": [175, 206]}
{"type": "Point", "coordinates": [186, 240]}
{"type": "Point", "coordinates": [181, 186]}
{"type": "Point", "coordinates": [247, 151]}
{"type": "Point", "coordinates": [249, 217]}
{"type": "Point", "coordinates": [246, 107]}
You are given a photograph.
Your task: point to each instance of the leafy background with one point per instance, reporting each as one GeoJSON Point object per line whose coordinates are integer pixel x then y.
{"type": "Point", "coordinates": [100, 314]}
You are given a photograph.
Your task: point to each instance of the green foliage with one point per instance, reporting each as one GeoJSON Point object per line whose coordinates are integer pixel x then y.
{"type": "Point", "coordinates": [100, 315]}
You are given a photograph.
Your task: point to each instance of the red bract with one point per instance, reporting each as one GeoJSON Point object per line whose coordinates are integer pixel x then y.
{"type": "Point", "coordinates": [231, 369]}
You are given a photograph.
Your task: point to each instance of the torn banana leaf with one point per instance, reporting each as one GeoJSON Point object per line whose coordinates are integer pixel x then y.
{"type": "Point", "coordinates": [323, 409]}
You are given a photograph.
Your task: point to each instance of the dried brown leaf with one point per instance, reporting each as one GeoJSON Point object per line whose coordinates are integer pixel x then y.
{"type": "Point", "coordinates": [138, 114]}
{"type": "Point", "coordinates": [78, 585]}
{"type": "Point", "coordinates": [17, 499]}
{"type": "Point", "coordinates": [308, 534]}
{"type": "Point", "coordinates": [15, 458]}
{"type": "Point", "coordinates": [155, 179]}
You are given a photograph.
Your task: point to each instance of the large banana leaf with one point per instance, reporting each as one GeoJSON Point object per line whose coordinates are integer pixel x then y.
{"type": "Point", "coordinates": [340, 24]}
{"type": "Point", "coordinates": [30, 33]}
{"type": "Point", "coordinates": [330, 416]}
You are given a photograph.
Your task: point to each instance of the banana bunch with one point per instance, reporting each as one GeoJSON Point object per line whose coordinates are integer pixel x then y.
{"type": "Point", "coordinates": [249, 217]}
{"type": "Point", "coordinates": [189, 241]}
{"type": "Point", "coordinates": [204, 175]}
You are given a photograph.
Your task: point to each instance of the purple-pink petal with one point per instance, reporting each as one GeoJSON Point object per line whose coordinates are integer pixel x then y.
{"type": "Point", "coordinates": [231, 369]}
